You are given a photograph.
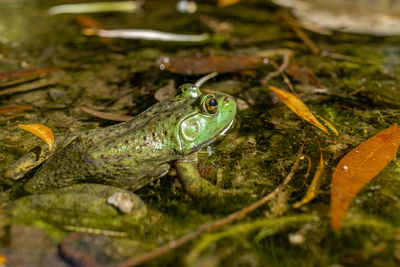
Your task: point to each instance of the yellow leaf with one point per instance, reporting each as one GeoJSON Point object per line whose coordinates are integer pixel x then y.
{"type": "Point", "coordinates": [330, 125]}
{"type": "Point", "coordinates": [315, 183]}
{"type": "Point", "coordinates": [222, 3]}
{"type": "Point", "coordinates": [298, 107]}
{"type": "Point", "coordinates": [40, 131]}
{"type": "Point", "coordinates": [3, 260]}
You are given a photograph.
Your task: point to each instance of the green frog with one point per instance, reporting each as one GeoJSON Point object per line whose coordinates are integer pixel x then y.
{"type": "Point", "coordinates": [132, 154]}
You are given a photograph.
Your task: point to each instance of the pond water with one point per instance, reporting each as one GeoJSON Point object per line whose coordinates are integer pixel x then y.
{"type": "Point", "coordinates": [56, 71]}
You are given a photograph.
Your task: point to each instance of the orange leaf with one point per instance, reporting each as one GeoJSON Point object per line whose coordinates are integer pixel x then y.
{"type": "Point", "coordinates": [358, 167]}
{"type": "Point", "coordinates": [298, 107]}
{"type": "Point", "coordinates": [3, 260]}
{"type": "Point", "coordinates": [40, 131]}
{"type": "Point", "coordinates": [223, 3]}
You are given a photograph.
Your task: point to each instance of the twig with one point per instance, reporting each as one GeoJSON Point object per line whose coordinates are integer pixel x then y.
{"type": "Point", "coordinates": [28, 87]}
{"type": "Point", "coordinates": [208, 227]}
{"type": "Point", "coordinates": [280, 70]}
{"type": "Point", "coordinates": [299, 32]}
{"type": "Point", "coordinates": [80, 257]}
{"type": "Point", "coordinates": [204, 79]}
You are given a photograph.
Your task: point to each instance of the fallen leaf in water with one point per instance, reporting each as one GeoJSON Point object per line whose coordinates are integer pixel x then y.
{"type": "Point", "coordinates": [88, 22]}
{"type": "Point", "coordinates": [13, 109]}
{"type": "Point", "coordinates": [311, 192]}
{"type": "Point", "coordinates": [329, 124]}
{"type": "Point", "coordinates": [358, 167]}
{"type": "Point", "coordinates": [40, 131]}
{"type": "Point", "coordinates": [222, 3]}
{"type": "Point", "coordinates": [303, 74]}
{"type": "Point", "coordinates": [205, 65]}
{"type": "Point", "coordinates": [24, 73]}
{"type": "Point", "coordinates": [166, 91]}
{"type": "Point", "coordinates": [3, 260]}
{"type": "Point", "coordinates": [298, 107]}
{"type": "Point", "coordinates": [106, 115]}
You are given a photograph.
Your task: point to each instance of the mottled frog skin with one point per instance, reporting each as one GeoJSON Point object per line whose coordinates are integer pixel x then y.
{"type": "Point", "coordinates": [134, 153]}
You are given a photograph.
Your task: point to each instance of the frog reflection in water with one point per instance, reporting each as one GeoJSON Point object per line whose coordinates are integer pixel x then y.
{"type": "Point", "coordinates": [132, 154]}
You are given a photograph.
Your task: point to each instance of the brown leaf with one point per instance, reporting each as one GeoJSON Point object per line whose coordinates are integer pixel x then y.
{"type": "Point", "coordinates": [24, 73]}
{"type": "Point", "coordinates": [165, 92]}
{"type": "Point", "coordinates": [205, 65]}
{"type": "Point", "coordinates": [106, 115]}
{"type": "Point", "coordinates": [40, 131]}
{"type": "Point", "coordinates": [88, 22]}
{"type": "Point", "coordinates": [358, 167]}
{"type": "Point", "coordinates": [298, 107]}
{"type": "Point", "coordinates": [303, 74]}
{"type": "Point", "coordinates": [13, 109]}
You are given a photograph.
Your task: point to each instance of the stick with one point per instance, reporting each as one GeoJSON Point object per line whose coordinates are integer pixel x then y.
{"type": "Point", "coordinates": [208, 227]}
{"type": "Point", "coordinates": [299, 32]}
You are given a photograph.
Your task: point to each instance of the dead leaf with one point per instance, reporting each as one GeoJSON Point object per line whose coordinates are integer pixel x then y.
{"type": "Point", "coordinates": [88, 22]}
{"type": "Point", "coordinates": [360, 166]}
{"type": "Point", "coordinates": [106, 115]}
{"type": "Point", "coordinates": [13, 109]}
{"type": "Point", "coordinates": [205, 65]}
{"type": "Point", "coordinates": [40, 131]}
{"type": "Point", "coordinates": [223, 3]}
{"type": "Point", "coordinates": [24, 73]}
{"type": "Point", "coordinates": [298, 107]}
{"type": "Point", "coordinates": [166, 91]}
{"type": "Point", "coordinates": [3, 260]}
{"type": "Point", "coordinates": [329, 124]}
{"type": "Point", "coordinates": [303, 74]}
{"type": "Point", "coordinates": [311, 192]}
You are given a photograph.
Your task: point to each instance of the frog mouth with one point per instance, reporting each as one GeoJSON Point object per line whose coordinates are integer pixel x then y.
{"type": "Point", "coordinates": [208, 142]}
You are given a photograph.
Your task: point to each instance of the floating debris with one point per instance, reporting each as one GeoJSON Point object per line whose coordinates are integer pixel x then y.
{"type": "Point", "coordinates": [186, 6]}
{"type": "Point", "coordinates": [13, 109]}
{"type": "Point", "coordinates": [40, 131]}
{"type": "Point", "coordinates": [96, 7]}
{"type": "Point", "coordinates": [367, 17]}
{"type": "Point", "coordinates": [298, 107]}
{"type": "Point", "coordinates": [121, 201]}
{"type": "Point", "coordinates": [147, 35]}
{"type": "Point", "coordinates": [204, 79]}
{"type": "Point", "coordinates": [359, 167]}
{"type": "Point", "coordinates": [205, 65]}
{"type": "Point", "coordinates": [166, 91]}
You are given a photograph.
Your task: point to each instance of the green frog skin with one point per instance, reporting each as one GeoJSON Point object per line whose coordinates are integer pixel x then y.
{"type": "Point", "coordinates": [132, 154]}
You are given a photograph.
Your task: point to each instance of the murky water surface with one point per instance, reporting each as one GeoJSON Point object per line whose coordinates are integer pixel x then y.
{"type": "Point", "coordinates": [50, 69]}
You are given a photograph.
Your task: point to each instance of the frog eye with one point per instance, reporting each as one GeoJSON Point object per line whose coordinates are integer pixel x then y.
{"type": "Point", "coordinates": [210, 105]}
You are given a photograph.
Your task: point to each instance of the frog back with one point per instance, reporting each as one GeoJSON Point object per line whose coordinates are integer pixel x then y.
{"type": "Point", "coordinates": [128, 155]}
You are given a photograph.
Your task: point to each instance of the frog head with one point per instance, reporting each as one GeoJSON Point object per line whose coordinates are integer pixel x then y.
{"type": "Point", "coordinates": [210, 117]}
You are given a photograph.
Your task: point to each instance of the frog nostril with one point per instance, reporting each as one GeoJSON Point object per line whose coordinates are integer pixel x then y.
{"type": "Point", "coordinates": [226, 99]}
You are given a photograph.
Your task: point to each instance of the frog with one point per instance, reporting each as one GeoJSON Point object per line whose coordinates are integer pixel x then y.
{"type": "Point", "coordinates": [133, 154]}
